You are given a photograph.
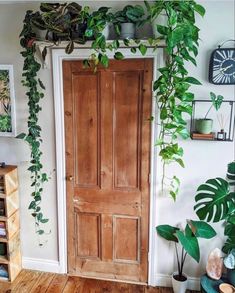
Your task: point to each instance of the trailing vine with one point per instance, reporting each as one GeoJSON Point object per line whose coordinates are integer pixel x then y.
{"type": "Point", "coordinates": [75, 24]}
{"type": "Point", "coordinates": [33, 137]}
{"type": "Point", "coordinates": [172, 87]}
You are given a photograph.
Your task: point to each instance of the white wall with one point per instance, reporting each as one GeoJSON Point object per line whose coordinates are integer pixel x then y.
{"type": "Point", "coordinates": [203, 159]}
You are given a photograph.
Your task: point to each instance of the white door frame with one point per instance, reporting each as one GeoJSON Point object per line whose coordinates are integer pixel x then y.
{"type": "Point", "coordinates": [58, 55]}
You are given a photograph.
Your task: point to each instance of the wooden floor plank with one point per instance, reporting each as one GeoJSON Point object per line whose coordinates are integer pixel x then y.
{"type": "Point", "coordinates": [57, 284]}
{"type": "Point", "coordinates": [38, 282]}
{"type": "Point", "coordinates": [42, 283]}
{"type": "Point", "coordinates": [25, 285]}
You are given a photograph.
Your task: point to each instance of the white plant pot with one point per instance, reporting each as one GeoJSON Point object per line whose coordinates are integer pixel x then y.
{"type": "Point", "coordinates": [105, 32]}
{"type": "Point", "coordinates": [161, 19]}
{"type": "Point", "coordinates": [179, 286]}
{"type": "Point", "coordinates": [127, 30]}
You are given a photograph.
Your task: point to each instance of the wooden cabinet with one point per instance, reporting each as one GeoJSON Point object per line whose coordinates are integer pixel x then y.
{"type": "Point", "coordinates": [10, 251]}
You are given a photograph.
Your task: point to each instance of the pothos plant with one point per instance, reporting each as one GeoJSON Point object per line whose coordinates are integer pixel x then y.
{"type": "Point", "coordinates": [171, 88]}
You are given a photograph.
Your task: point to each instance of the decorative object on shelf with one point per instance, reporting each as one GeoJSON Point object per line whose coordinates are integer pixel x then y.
{"type": "Point", "coordinates": [190, 246]}
{"type": "Point", "coordinates": [214, 266]}
{"type": "Point", "coordinates": [225, 122]}
{"type": "Point", "coordinates": [222, 65]}
{"type": "Point", "coordinates": [2, 165]}
{"type": "Point", "coordinates": [204, 125]}
{"type": "Point", "coordinates": [127, 19]}
{"type": "Point", "coordinates": [229, 263]}
{"type": "Point", "coordinates": [226, 288]}
{"type": "Point", "coordinates": [7, 101]}
{"type": "Point", "coordinates": [10, 252]}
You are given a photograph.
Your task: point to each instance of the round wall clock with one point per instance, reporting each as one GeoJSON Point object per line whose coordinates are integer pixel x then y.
{"type": "Point", "coordinates": [222, 66]}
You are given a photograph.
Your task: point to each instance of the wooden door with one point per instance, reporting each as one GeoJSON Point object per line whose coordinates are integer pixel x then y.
{"type": "Point", "coordinates": [107, 130]}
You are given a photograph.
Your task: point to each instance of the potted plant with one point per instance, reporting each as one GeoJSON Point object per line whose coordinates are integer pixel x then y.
{"type": "Point", "coordinates": [188, 239]}
{"type": "Point", "coordinates": [215, 202]}
{"type": "Point", "coordinates": [156, 16]}
{"type": "Point", "coordinates": [98, 23]}
{"type": "Point", "coordinates": [229, 262]}
{"type": "Point", "coordinates": [125, 21]}
{"type": "Point", "coordinates": [204, 125]}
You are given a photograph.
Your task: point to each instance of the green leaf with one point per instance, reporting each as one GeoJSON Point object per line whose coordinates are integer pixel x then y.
{"type": "Point", "coordinates": [202, 229]}
{"type": "Point", "coordinates": [190, 244]}
{"type": "Point", "coordinates": [105, 60]}
{"type": "Point", "coordinates": [40, 232]}
{"type": "Point", "coordinates": [118, 56]}
{"type": "Point", "coordinates": [199, 9]}
{"type": "Point", "coordinates": [70, 47]}
{"type": "Point", "coordinates": [163, 114]}
{"type": "Point", "coordinates": [167, 232]}
{"type": "Point", "coordinates": [213, 200]}
{"type": "Point", "coordinates": [143, 49]}
{"type": "Point", "coordinates": [21, 136]}
{"type": "Point", "coordinates": [192, 80]}
{"type": "Point", "coordinates": [180, 162]}
{"type": "Point", "coordinates": [133, 50]}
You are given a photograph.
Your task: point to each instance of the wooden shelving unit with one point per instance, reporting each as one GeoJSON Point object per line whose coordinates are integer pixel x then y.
{"type": "Point", "coordinates": [10, 251]}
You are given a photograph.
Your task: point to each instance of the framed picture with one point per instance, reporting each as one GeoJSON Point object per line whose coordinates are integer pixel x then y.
{"type": "Point", "coordinates": [7, 101]}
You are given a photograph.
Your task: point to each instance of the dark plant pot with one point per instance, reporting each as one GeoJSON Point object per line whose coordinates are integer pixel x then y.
{"type": "Point", "coordinates": [203, 126]}
{"type": "Point", "coordinates": [78, 31]}
{"type": "Point", "coordinates": [179, 284]}
{"type": "Point", "coordinates": [231, 276]}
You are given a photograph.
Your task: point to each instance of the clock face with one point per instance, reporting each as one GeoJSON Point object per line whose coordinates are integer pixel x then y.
{"type": "Point", "coordinates": [222, 66]}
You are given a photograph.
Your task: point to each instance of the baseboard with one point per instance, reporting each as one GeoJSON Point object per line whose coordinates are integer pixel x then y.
{"type": "Point", "coordinates": [43, 265]}
{"type": "Point", "coordinates": [165, 281]}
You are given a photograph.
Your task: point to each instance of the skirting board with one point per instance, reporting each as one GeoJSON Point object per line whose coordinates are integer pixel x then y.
{"type": "Point", "coordinates": [165, 281]}
{"type": "Point", "coordinates": [43, 265]}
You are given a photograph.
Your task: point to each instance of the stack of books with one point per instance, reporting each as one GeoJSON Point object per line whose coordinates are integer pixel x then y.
{"type": "Point", "coordinates": [3, 230]}
{"type": "Point", "coordinates": [209, 136]}
{"type": "Point", "coordinates": [2, 208]}
{"type": "Point", "coordinates": [1, 185]}
{"type": "Point", "coordinates": [3, 272]}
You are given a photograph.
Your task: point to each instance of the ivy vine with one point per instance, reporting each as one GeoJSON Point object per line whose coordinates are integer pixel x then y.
{"type": "Point", "coordinates": [33, 137]}
{"type": "Point", "coordinates": [174, 99]}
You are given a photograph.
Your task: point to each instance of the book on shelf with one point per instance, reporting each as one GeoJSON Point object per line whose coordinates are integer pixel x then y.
{"type": "Point", "coordinates": [3, 271]}
{"type": "Point", "coordinates": [209, 136]}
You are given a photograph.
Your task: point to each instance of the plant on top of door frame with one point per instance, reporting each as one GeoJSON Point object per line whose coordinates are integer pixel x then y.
{"type": "Point", "coordinates": [171, 88]}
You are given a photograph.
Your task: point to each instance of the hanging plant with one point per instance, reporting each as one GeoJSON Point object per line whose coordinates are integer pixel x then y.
{"type": "Point", "coordinates": [33, 137]}
{"type": "Point", "coordinates": [75, 24]}
{"type": "Point", "coordinates": [172, 87]}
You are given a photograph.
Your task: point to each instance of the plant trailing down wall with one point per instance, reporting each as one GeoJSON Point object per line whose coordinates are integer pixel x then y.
{"type": "Point", "coordinates": [75, 24]}
{"type": "Point", "coordinates": [172, 87]}
{"type": "Point", "coordinates": [33, 137]}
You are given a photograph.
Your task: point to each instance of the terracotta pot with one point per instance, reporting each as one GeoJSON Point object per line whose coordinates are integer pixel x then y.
{"type": "Point", "coordinates": [178, 285]}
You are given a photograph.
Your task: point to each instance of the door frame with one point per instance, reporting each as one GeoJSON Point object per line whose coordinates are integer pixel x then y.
{"type": "Point", "coordinates": [58, 55]}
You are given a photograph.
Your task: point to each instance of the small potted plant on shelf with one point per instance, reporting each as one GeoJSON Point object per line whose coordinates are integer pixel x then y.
{"type": "Point", "coordinates": [188, 239]}
{"type": "Point", "coordinates": [204, 125]}
{"type": "Point", "coordinates": [125, 21]}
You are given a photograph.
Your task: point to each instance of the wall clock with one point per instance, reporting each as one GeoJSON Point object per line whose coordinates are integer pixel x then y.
{"type": "Point", "coordinates": [222, 65]}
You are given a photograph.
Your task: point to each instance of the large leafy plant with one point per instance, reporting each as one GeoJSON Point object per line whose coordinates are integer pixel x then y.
{"type": "Point", "coordinates": [215, 202]}
{"type": "Point", "coordinates": [172, 88]}
{"type": "Point", "coordinates": [188, 239]}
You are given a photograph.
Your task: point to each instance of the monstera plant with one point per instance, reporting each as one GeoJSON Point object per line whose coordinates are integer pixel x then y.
{"type": "Point", "coordinates": [216, 202]}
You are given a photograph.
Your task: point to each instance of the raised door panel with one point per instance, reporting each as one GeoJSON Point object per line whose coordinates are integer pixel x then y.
{"type": "Point", "coordinates": [86, 130]}
{"type": "Point", "coordinates": [126, 129]}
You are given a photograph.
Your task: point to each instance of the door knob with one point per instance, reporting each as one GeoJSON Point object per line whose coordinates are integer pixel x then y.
{"type": "Point", "coordinates": [69, 178]}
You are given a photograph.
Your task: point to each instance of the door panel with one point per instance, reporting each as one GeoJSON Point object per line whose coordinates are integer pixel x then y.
{"type": "Point", "coordinates": [107, 134]}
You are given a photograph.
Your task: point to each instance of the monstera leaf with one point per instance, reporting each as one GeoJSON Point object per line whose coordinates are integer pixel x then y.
{"type": "Point", "coordinates": [213, 200]}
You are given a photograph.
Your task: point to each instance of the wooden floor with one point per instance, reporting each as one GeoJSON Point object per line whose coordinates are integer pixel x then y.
{"type": "Point", "coordinates": [35, 282]}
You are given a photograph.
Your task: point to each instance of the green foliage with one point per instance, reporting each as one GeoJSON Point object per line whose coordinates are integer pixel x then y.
{"type": "Point", "coordinates": [172, 87]}
{"type": "Point", "coordinates": [188, 238]}
{"type": "Point", "coordinates": [33, 137]}
{"type": "Point", "coordinates": [216, 102]}
{"type": "Point", "coordinates": [215, 201]}
{"type": "Point", "coordinates": [129, 13]}
{"type": "Point", "coordinates": [5, 123]}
